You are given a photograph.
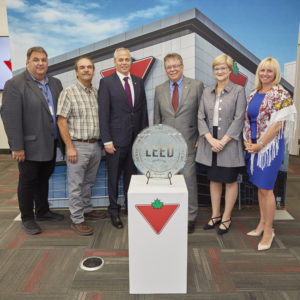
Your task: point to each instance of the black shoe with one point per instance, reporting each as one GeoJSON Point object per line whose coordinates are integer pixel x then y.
{"type": "Point", "coordinates": [191, 226]}
{"type": "Point", "coordinates": [222, 231]}
{"type": "Point", "coordinates": [50, 216]}
{"type": "Point", "coordinates": [31, 227]}
{"type": "Point", "coordinates": [208, 226]}
{"type": "Point", "coordinates": [116, 221]}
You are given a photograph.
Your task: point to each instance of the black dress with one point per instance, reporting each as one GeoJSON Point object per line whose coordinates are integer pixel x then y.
{"type": "Point", "coordinates": [221, 174]}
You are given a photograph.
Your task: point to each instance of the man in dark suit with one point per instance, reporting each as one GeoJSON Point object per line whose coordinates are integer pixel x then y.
{"type": "Point", "coordinates": [176, 103]}
{"type": "Point", "coordinates": [122, 115]}
{"type": "Point", "coordinates": [28, 114]}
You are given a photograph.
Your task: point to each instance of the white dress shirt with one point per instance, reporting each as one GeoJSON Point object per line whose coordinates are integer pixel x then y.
{"type": "Point", "coordinates": [121, 76]}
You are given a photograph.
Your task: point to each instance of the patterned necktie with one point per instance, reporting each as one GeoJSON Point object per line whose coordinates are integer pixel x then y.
{"type": "Point", "coordinates": [128, 92]}
{"type": "Point", "coordinates": [175, 96]}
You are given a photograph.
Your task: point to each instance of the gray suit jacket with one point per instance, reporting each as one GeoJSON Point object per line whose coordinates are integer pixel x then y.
{"type": "Point", "coordinates": [26, 116]}
{"type": "Point", "coordinates": [185, 118]}
{"type": "Point", "coordinates": [231, 122]}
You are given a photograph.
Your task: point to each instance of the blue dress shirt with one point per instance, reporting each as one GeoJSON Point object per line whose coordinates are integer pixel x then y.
{"type": "Point", "coordinates": [45, 88]}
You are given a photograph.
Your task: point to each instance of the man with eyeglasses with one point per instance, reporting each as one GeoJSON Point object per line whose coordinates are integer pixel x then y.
{"type": "Point", "coordinates": [78, 123]}
{"type": "Point", "coordinates": [176, 103]}
{"type": "Point", "coordinates": [28, 114]}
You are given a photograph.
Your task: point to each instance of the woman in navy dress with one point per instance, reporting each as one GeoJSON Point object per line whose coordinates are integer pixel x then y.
{"type": "Point", "coordinates": [269, 123]}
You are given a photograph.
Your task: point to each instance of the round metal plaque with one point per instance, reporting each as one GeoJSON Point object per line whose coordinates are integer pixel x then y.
{"type": "Point", "coordinates": [159, 151]}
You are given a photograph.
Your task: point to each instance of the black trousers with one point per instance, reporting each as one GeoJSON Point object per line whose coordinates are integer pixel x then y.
{"type": "Point", "coordinates": [120, 161]}
{"type": "Point", "coordinates": [33, 187]}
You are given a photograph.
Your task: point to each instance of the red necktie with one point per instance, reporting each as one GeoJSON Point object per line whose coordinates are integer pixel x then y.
{"type": "Point", "coordinates": [175, 96]}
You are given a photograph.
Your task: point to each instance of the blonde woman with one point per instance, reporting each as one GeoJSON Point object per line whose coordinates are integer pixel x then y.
{"type": "Point", "coordinates": [269, 123]}
{"type": "Point", "coordinates": [220, 123]}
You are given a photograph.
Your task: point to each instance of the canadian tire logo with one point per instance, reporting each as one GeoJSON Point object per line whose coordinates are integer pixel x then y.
{"type": "Point", "coordinates": [8, 64]}
{"type": "Point", "coordinates": [157, 214]}
{"type": "Point", "coordinates": [139, 68]}
{"type": "Point", "coordinates": [237, 77]}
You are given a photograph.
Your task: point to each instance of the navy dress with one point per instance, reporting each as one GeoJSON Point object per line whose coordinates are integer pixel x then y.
{"type": "Point", "coordinates": [266, 178]}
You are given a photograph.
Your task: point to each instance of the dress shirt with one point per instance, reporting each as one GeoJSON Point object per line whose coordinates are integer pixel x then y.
{"type": "Point", "coordinates": [216, 111]}
{"type": "Point", "coordinates": [179, 83]}
{"type": "Point", "coordinates": [48, 97]}
{"type": "Point", "coordinates": [79, 105]}
{"type": "Point", "coordinates": [121, 76]}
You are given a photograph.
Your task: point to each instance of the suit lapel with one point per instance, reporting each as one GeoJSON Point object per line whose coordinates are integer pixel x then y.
{"type": "Point", "coordinates": [166, 99]}
{"type": "Point", "coordinates": [121, 91]}
{"type": "Point", "coordinates": [136, 91]}
{"type": "Point", "coordinates": [184, 92]}
{"type": "Point", "coordinates": [37, 91]}
{"type": "Point", "coordinates": [54, 93]}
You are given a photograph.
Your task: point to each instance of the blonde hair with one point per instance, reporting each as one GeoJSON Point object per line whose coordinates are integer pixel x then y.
{"type": "Point", "coordinates": [223, 59]}
{"type": "Point", "coordinates": [274, 64]}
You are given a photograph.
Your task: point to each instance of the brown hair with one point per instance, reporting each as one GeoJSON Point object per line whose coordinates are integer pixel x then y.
{"type": "Point", "coordinates": [80, 58]}
{"type": "Point", "coordinates": [174, 56]}
{"type": "Point", "coordinates": [35, 49]}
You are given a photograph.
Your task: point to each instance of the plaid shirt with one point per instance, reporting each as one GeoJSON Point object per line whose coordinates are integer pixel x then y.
{"type": "Point", "coordinates": [80, 107]}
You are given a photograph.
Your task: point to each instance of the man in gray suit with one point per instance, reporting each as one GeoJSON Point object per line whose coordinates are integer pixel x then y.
{"type": "Point", "coordinates": [28, 114]}
{"type": "Point", "coordinates": [176, 104]}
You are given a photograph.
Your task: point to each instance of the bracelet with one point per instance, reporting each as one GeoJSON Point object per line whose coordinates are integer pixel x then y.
{"type": "Point", "coordinates": [260, 142]}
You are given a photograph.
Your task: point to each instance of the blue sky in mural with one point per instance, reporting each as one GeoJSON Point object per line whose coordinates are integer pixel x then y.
{"type": "Point", "coordinates": [264, 27]}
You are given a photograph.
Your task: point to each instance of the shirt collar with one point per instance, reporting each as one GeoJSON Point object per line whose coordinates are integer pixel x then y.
{"type": "Point", "coordinates": [227, 89]}
{"type": "Point", "coordinates": [81, 86]}
{"type": "Point", "coordinates": [122, 76]}
{"type": "Point", "coordinates": [179, 82]}
{"type": "Point", "coordinates": [34, 79]}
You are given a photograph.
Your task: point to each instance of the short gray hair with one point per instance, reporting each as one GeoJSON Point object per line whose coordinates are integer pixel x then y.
{"type": "Point", "coordinates": [121, 49]}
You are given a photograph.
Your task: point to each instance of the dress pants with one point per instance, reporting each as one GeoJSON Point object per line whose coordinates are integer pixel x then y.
{"type": "Point", "coordinates": [190, 177]}
{"type": "Point", "coordinates": [81, 179]}
{"type": "Point", "coordinates": [33, 187]}
{"type": "Point", "coordinates": [120, 161]}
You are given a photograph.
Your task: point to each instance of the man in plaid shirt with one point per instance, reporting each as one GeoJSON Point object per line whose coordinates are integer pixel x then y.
{"type": "Point", "coordinates": [78, 124]}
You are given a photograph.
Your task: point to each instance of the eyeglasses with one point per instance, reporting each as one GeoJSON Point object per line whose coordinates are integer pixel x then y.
{"type": "Point", "coordinates": [222, 69]}
{"type": "Point", "coordinates": [168, 68]}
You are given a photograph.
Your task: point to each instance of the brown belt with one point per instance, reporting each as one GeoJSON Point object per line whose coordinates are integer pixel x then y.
{"type": "Point", "coordinates": [91, 141]}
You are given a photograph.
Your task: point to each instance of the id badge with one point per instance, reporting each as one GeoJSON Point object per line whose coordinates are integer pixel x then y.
{"type": "Point", "coordinates": [51, 110]}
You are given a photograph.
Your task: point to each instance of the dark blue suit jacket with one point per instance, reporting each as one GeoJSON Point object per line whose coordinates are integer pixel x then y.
{"type": "Point", "coordinates": [118, 123]}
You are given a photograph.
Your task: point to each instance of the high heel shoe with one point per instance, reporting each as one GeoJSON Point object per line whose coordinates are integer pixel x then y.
{"type": "Point", "coordinates": [255, 233]}
{"type": "Point", "coordinates": [208, 226]}
{"type": "Point", "coordinates": [222, 231]}
{"type": "Point", "coordinates": [261, 247]}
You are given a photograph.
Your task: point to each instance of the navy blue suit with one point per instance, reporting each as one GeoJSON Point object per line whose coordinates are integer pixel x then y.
{"type": "Point", "coordinates": [120, 124]}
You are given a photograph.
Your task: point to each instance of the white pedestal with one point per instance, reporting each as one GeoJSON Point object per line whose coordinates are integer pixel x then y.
{"type": "Point", "coordinates": [157, 236]}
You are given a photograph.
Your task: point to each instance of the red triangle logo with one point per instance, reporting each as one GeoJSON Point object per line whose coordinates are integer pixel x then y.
{"type": "Point", "coordinates": [157, 217]}
{"type": "Point", "coordinates": [139, 68]}
{"type": "Point", "coordinates": [239, 79]}
{"type": "Point", "coordinates": [8, 63]}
